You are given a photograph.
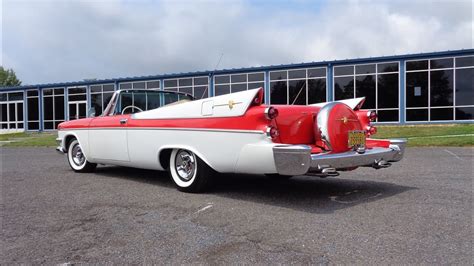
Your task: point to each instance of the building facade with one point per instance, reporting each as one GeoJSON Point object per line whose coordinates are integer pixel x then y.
{"type": "Point", "coordinates": [406, 89]}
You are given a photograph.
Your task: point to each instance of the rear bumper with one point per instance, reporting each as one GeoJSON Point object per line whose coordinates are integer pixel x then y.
{"type": "Point", "coordinates": [298, 160]}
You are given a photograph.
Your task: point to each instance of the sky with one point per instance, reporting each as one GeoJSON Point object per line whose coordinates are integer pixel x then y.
{"type": "Point", "coordinates": [49, 41]}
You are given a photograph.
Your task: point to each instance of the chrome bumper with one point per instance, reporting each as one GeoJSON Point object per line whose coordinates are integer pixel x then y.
{"type": "Point", "coordinates": [298, 160]}
{"type": "Point", "coordinates": [60, 148]}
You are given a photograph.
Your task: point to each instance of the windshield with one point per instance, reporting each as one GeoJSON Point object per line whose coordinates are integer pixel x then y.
{"type": "Point", "coordinates": [135, 101]}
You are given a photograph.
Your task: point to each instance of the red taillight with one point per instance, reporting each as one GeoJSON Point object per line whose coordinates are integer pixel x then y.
{"type": "Point", "coordinates": [271, 113]}
{"type": "Point", "coordinates": [272, 132]}
{"type": "Point", "coordinates": [371, 130]}
{"type": "Point", "coordinates": [372, 116]}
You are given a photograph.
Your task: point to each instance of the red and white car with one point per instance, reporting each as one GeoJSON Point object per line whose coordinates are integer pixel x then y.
{"type": "Point", "coordinates": [234, 133]}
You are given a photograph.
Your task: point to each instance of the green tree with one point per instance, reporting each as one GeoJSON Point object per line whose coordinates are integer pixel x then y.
{"type": "Point", "coordinates": [8, 78]}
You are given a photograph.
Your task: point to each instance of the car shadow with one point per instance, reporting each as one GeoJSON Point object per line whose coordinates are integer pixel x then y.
{"type": "Point", "coordinates": [303, 193]}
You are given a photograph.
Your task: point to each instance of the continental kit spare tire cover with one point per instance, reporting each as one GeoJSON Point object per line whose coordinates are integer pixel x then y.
{"type": "Point", "coordinates": [334, 121]}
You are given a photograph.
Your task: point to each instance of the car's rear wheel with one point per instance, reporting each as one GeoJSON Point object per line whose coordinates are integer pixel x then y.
{"type": "Point", "coordinates": [77, 159]}
{"type": "Point", "coordinates": [189, 172]}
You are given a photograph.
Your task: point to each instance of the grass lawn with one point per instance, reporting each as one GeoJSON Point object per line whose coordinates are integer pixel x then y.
{"type": "Point", "coordinates": [419, 135]}
{"type": "Point", "coordinates": [430, 135]}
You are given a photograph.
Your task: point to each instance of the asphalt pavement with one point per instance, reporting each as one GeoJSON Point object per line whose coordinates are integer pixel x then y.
{"type": "Point", "coordinates": [418, 211]}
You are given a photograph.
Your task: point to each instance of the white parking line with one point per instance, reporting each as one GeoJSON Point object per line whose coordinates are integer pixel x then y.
{"type": "Point", "coordinates": [453, 154]}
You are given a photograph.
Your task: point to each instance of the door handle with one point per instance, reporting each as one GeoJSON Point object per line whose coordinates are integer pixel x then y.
{"type": "Point", "coordinates": [123, 121]}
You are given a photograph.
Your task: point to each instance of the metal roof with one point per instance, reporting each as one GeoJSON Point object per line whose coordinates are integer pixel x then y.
{"type": "Point", "coordinates": [249, 69]}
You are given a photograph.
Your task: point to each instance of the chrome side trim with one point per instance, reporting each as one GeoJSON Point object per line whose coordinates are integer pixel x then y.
{"type": "Point", "coordinates": [292, 159]}
{"type": "Point", "coordinates": [169, 128]}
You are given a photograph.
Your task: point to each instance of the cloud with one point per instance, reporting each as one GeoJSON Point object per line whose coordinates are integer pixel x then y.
{"type": "Point", "coordinates": [53, 41]}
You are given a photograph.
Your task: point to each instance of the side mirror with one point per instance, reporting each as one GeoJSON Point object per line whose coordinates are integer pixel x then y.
{"type": "Point", "coordinates": [91, 112]}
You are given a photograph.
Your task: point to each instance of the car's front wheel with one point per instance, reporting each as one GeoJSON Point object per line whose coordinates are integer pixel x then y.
{"type": "Point", "coordinates": [189, 172]}
{"type": "Point", "coordinates": [76, 158]}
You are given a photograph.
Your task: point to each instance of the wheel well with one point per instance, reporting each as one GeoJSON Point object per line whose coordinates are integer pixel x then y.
{"type": "Point", "coordinates": [164, 158]}
{"type": "Point", "coordinates": [68, 140]}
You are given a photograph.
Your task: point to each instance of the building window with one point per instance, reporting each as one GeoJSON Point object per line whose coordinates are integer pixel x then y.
{"type": "Point", "coordinates": [440, 89]}
{"type": "Point", "coordinates": [53, 108]}
{"type": "Point", "coordinates": [378, 83]}
{"type": "Point", "coordinates": [298, 86]}
{"type": "Point", "coordinates": [32, 101]}
{"type": "Point", "coordinates": [225, 84]}
{"type": "Point", "coordinates": [100, 96]}
{"type": "Point", "coordinates": [196, 86]}
{"type": "Point", "coordinates": [11, 107]}
{"type": "Point", "coordinates": [149, 85]}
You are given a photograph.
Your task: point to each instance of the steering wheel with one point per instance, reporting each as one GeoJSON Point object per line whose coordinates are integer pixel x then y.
{"type": "Point", "coordinates": [131, 106]}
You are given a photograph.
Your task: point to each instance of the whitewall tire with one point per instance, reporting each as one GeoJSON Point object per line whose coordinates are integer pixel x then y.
{"type": "Point", "coordinates": [77, 159]}
{"type": "Point", "coordinates": [189, 172]}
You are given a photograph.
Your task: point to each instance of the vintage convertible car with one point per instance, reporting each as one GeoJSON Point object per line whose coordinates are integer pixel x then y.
{"type": "Point", "coordinates": [234, 133]}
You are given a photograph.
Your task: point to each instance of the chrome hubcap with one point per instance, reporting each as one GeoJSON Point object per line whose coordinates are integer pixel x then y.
{"type": "Point", "coordinates": [77, 155]}
{"type": "Point", "coordinates": [185, 165]}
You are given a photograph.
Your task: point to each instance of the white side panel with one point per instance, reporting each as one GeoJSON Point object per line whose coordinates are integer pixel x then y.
{"type": "Point", "coordinates": [108, 144]}
{"type": "Point", "coordinates": [82, 136]}
{"type": "Point", "coordinates": [219, 149]}
{"type": "Point", "coordinates": [352, 103]}
{"type": "Point", "coordinates": [256, 159]}
{"type": "Point", "coordinates": [229, 105]}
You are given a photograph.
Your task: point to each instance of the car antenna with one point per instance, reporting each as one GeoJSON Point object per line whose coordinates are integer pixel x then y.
{"type": "Point", "coordinates": [297, 95]}
{"type": "Point", "coordinates": [212, 74]}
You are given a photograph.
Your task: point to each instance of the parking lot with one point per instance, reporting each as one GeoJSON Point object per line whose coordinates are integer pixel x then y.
{"type": "Point", "coordinates": [418, 211]}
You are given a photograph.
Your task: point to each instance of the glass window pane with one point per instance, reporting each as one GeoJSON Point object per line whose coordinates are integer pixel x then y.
{"type": "Point", "coordinates": [316, 91]}
{"type": "Point", "coordinates": [139, 85]}
{"type": "Point", "coordinates": [96, 103]}
{"type": "Point", "coordinates": [19, 110]}
{"type": "Point", "coordinates": [441, 114]}
{"type": "Point", "coordinates": [59, 107]}
{"type": "Point", "coordinates": [201, 81]}
{"type": "Point", "coordinates": [200, 92]}
{"type": "Point", "coordinates": [106, 99]}
{"type": "Point", "coordinates": [387, 91]}
{"type": "Point", "coordinates": [297, 74]}
{"type": "Point", "coordinates": [15, 96]}
{"type": "Point", "coordinates": [48, 108]}
{"type": "Point", "coordinates": [20, 125]}
{"type": "Point", "coordinates": [32, 104]}
{"type": "Point", "coordinates": [387, 116]}
{"type": "Point", "coordinates": [48, 125]}
{"type": "Point", "coordinates": [171, 83]}
{"type": "Point", "coordinates": [387, 67]}
{"type": "Point", "coordinates": [441, 63]}
{"type": "Point", "coordinates": [4, 126]}
{"type": "Point", "coordinates": [186, 82]}
{"type": "Point", "coordinates": [278, 92]}
{"type": "Point", "coordinates": [125, 86]}
{"type": "Point", "coordinates": [343, 70]}
{"type": "Point", "coordinates": [80, 97]}
{"type": "Point", "coordinates": [222, 79]}
{"type": "Point", "coordinates": [441, 88]}
{"type": "Point", "coordinates": [32, 93]}
{"type": "Point", "coordinates": [238, 87]}
{"type": "Point", "coordinates": [61, 91]}
{"type": "Point", "coordinates": [171, 89]}
{"type": "Point", "coordinates": [317, 72]}
{"type": "Point", "coordinates": [125, 100]}
{"type": "Point", "coordinates": [153, 85]}
{"type": "Point", "coordinates": [153, 100]}
{"type": "Point", "coordinates": [221, 90]}
{"type": "Point", "coordinates": [33, 126]}
{"type": "Point", "coordinates": [344, 88]}
{"type": "Point", "coordinates": [465, 61]}
{"type": "Point", "coordinates": [465, 113]}
{"type": "Point", "coordinates": [11, 109]}
{"type": "Point", "coordinates": [256, 85]}
{"type": "Point", "coordinates": [12, 125]}
{"type": "Point", "coordinates": [48, 92]}
{"type": "Point", "coordinates": [277, 75]}
{"type": "Point", "coordinates": [256, 77]}
{"type": "Point", "coordinates": [4, 109]}
{"type": "Point", "coordinates": [238, 78]}
{"type": "Point", "coordinates": [417, 65]}
{"type": "Point", "coordinates": [297, 92]}
{"type": "Point", "coordinates": [108, 87]}
{"type": "Point", "coordinates": [417, 89]}
{"type": "Point", "coordinates": [79, 90]}
{"type": "Point", "coordinates": [365, 87]}
{"type": "Point", "coordinates": [96, 88]}
{"type": "Point", "coordinates": [3, 97]}
{"type": "Point", "coordinates": [188, 90]}
{"type": "Point", "coordinates": [464, 86]}
{"type": "Point", "coordinates": [139, 100]}
{"type": "Point", "coordinates": [417, 115]}
{"type": "Point", "coordinates": [365, 69]}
